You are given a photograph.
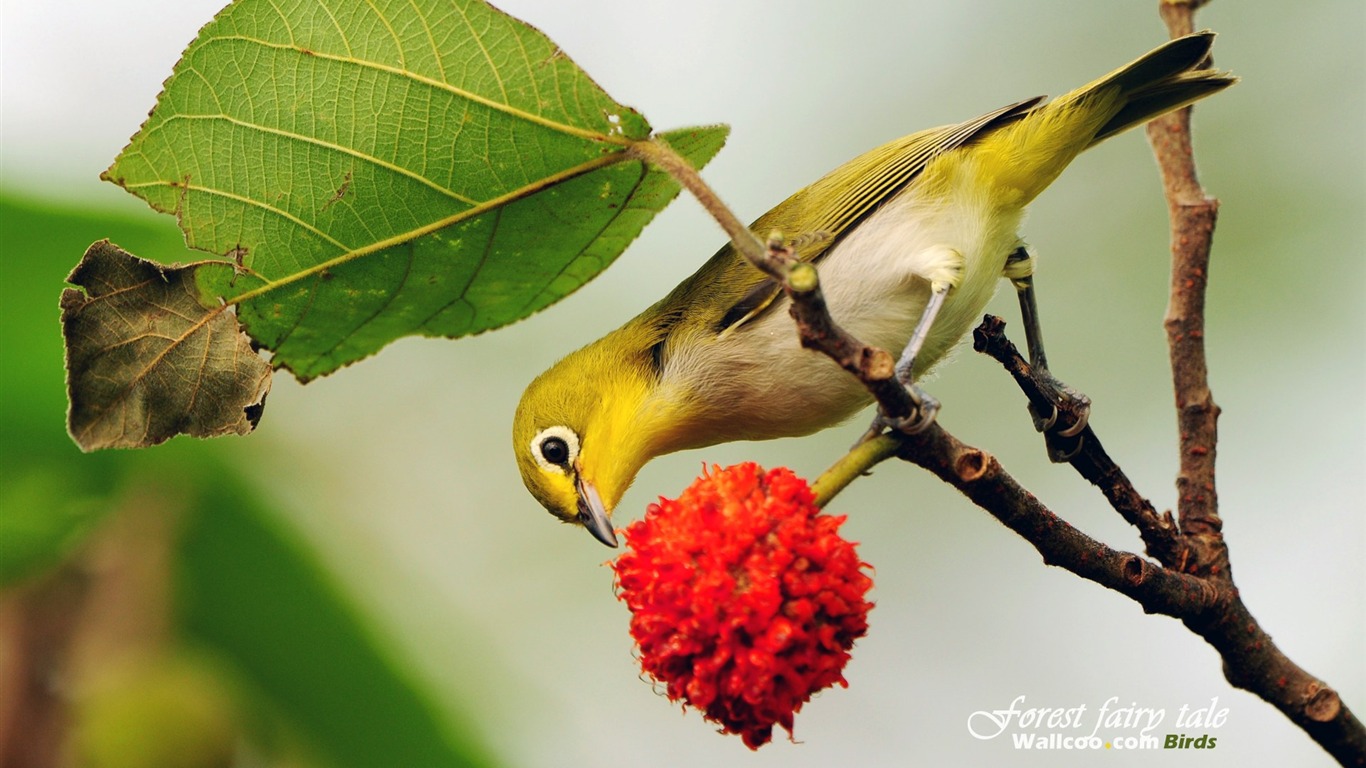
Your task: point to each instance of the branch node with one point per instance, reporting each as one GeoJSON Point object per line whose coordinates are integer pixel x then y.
{"type": "Point", "coordinates": [1322, 703]}
{"type": "Point", "coordinates": [1135, 570]}
{"type": "Point", "coordinates": [878, 364]}
{"type": "Point", "coordinates": [802, 278]}
{"type": "Point", "coordinates": [971, 465]}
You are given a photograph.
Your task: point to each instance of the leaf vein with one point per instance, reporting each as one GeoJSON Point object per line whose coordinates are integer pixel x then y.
{"type": "Point", "coordinates": [140, 376]}
{"type": "Point", "coordinates": [388, 301]}
{"type": "Point", "coordinates": [340, 31]}
{"type": "Point", "coordinates": [505, 108]}
{"type": "Point", "coordinates": [431, 39]}
{"type": "Point", "coordinates": [308, 307]}
{"type": "Point", "coordinates": [398, 44]}
{"type": "Point", "coordinates": [479, 41]}
{"type": "Point", "coordinates": [329, 145]}
{"type": "Point", "coordinates": [644, 172]}
{"type": "Point", "coordinates": [536, 186]}
{"type": "Point", "coordinates": [286, 215]}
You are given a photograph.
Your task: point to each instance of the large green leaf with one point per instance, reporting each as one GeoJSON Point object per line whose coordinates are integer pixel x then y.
{"type": "Point", "coordinates": [251, 589]}
{"type": "Point", "coordinates": [370, 169]}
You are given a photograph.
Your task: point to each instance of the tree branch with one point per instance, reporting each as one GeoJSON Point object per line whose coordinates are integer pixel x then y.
{"type": "Point", "coordinates": [874, 367]}
{"type": "Point", "coordinates": [1251, 660]}
{"type": "Point", "coordinates": [1205, 600]}
{"type": "Point", "coordinates": [1193, 215]}
{"type": "Point", "coordinates": [1160, 536]}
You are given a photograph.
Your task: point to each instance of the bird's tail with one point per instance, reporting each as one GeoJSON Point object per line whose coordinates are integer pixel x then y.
{"type": "Point", "coordinates": [1168, 77]}
{"type": "Point", "coordinates": [1023, 158]}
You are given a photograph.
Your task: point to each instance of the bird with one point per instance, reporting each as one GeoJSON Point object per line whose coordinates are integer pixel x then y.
{"type": "Point", "coordinates": [911, 240]}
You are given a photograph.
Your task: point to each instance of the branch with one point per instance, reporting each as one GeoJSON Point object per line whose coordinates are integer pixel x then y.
{"type": "Point", "coordinates": [874, 367]}
{"type": "Point", "coordinates": [1193, 216]}
{"type": "Point", "coordinates": [980, 477]}
{"type": "Point", "coordinates": [1206, 601]}
{"type": "Point", "coordinates": [1251, 660]}
{"type": "Point", "coordinates": [1160, 536]}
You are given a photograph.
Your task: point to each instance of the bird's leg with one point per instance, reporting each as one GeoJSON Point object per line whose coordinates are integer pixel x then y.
{"type": "Point", "coordinates": [906, 365]}
{"type": "Point", "coordinates": [926, 407]}
{"type": "Point", "coordinates": [1061, 439]}
{"type": "Point", "coordinates": [945, 267]}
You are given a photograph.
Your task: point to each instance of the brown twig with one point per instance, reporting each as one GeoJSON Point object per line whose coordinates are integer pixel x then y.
{"type": "Point", "coordinates": [1215, 611]}
{"type": "Point", "coordinates": [980, 477]}
{"type": "Point", "coordinates": [1159, 532]}
{"type": "Point", "coordinates": [663, 157]}
{"type": "Point", "coordinates": [1193, 216]}
{"type": "Point", "coordinates": [874, 367]}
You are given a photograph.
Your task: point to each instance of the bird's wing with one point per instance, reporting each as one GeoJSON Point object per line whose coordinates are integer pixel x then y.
{"type": "Point", "coordinates": [817, 217]}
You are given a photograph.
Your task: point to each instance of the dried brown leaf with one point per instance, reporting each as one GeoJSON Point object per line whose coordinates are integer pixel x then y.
{"type": "Point", "coordinates": [147, 360]}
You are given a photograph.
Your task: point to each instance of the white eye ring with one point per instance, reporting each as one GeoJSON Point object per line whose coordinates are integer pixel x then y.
{"type": "Point", "coordinates": [555, 448]}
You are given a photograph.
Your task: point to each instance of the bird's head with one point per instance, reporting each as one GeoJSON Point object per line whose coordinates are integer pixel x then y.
{"type": "Point", "coordinates": [584, 428]}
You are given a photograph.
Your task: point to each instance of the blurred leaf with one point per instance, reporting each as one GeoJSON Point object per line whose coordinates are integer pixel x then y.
{"type": "Point", "coordinates": [375, 170]}
{"type": "Point", "coordinates": [172, 711]}
{"type": "Point", "coordinates": [50, 494]}
{"type": "Point", "coordinates": [300, 643]}
{"type": "Point", "coordinates": [43, 520]}
{"type": "Point", "coordinates": [146, 360]}
{"type": "Point", "coordinates": [252, 591]}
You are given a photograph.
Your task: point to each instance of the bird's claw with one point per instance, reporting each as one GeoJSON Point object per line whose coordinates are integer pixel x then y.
{"type": "Point", "coordinates": [925, 411]}
{"type": "Point", "coordinates": [1068, 415]}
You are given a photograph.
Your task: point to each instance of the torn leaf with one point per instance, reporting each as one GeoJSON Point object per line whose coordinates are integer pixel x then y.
{"type": "Point", "coordinates": [146, 359]}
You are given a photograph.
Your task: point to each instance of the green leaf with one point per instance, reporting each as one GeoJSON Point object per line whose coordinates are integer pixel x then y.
{"type": "Point", "coordinates": [369, 170]}
{"type": "Point", "coordinates": [42, 520]}
{"type": "Point", "coordinates": [252, 590]}
{"type": "Point", "coordinates": [146, 360]}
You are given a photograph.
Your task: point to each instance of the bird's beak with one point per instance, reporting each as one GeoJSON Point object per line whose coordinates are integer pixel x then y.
{"type": "Point", "coordinates": [593, 514]}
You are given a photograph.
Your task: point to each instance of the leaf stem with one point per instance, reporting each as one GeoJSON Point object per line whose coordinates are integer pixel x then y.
{"type": "Point", "coordinates": [663, 157]}
{"type": "Point", "coordinates": [856, 462]}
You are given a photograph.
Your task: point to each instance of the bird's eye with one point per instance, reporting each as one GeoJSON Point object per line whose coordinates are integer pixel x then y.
{"type": "Point", "coordinates": [555, 448]}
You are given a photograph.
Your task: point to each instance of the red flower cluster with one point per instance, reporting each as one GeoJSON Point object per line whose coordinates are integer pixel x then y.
{"type": "Point", "coordinates": [744, 598]}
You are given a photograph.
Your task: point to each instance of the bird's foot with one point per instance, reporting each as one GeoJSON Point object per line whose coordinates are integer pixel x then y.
{"type": "Point", "coordinates": [924, 414]}
{"type": "Point", "coordinates": [1063, 426]}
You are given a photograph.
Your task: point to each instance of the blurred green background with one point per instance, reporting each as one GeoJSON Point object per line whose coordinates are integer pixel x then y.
{"type": "Point", "coordinates": [364, 581]}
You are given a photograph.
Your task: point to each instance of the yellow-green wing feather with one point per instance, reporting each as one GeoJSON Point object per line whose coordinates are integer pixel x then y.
{"type": "Point", "coordinates": [817, 216]}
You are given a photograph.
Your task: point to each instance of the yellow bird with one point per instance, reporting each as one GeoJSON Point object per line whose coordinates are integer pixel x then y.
{"type": "Point", "coordinates": [914, 237]}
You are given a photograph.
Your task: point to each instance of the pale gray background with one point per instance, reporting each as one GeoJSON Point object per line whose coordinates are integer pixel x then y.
{"type": "Point", "coordinates": [400, 466]}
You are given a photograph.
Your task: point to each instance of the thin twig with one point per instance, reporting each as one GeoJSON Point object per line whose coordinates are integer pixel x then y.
{"type": "Point", "coordinates": [1159, 532]}
{"type": "Point", "coordinates": [874, 367]}
{"type": "Point", "coordinates": [663, 157]}
{"type": "Point", "coordinates": [852, 465]}
{"type": "Point", "coordinates": [1216, 612]}
{"type": "Point", "coordinates": [980, 477]}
